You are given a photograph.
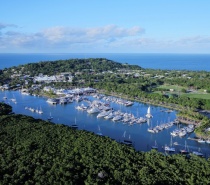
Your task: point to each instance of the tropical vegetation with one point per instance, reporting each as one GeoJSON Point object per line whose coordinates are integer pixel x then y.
{"type": "Point", "coordinates": [33, 151]}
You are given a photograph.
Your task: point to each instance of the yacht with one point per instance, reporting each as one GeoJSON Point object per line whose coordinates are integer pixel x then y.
{"type": "Point", "coordinates": [141, 120]}
{"type": "Point", "coordinates": [184, 151]}
{"type": "Point", "coordinates": [169, 149]}
{"type": "Point", "coordinates": [110, 116]}
{"type": "Point", "coordinates": [208, 141]}
{"type": "Point", "coordinates": [152, 130]}
{"type": "Point", "coordinates": [155, 146]}
{"type": "Point", "coordinates": [197, 153]}
{"type": "Point", "coordinates": [81, 107]}
{"type": "Point", "coordinates": [52, 101]}
{"type": "Point", "coordinates": [93, 110]}
{"type": "Point", "coordinates": [201, 141]}
{"type": "Point", "coordinates": [74, 126]}
{"type": "Point", "coordinates": [128, 103]}
{"type": "Point", "coordinates": [63, 101]}
{"type": "Point", "coordinates": [50, 117]}
{"type": "Point", "coordinates": [117, 118]}
{"type": "Point", "coordinates": [103, 114]}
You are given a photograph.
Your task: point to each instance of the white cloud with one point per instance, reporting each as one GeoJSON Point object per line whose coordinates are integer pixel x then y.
{"type": "Point", "coordinates": [109, 38]}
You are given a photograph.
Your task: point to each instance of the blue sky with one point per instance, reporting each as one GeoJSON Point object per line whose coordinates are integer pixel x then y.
{"type": "Point", "coordinates": [111, 26]}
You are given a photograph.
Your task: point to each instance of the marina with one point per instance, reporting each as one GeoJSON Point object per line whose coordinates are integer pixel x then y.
{"type": "Point", "coordinates": [112, 119]}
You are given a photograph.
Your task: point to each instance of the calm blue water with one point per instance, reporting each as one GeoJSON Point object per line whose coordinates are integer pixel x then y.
{"type": "Point", "coordinates": [143, 140]}
{"type": "Point", "coordinates": [154, 61]}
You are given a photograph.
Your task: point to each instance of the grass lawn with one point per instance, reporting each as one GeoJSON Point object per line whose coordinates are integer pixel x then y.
{"type": "Point", "coordinates": [175, 87]}
{"type": "Point", "coordinates": [196, 95]}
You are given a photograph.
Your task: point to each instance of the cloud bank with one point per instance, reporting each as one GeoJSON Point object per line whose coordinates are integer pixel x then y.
{"type": "Point", "coordinates": [109, 38]}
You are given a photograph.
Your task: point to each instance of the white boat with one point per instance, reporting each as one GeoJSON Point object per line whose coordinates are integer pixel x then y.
{"type": "Point", "coordinates": [151, 130]}
{"type": "Point", "coordinates": [74, 126]}
{"type": "Point", "coordinates": [198, 153]}
{"type": "Point", "coordinates": [93, 110]}
{"type": "Point", "coordinates": [169, 148]}
{"type": "Point", "coordinates": [155, 146]}
{"type": "Point", "coordinates": [5, 97]}
{"type": "Point", "coordinates": [141, 120]}
{"type": "Point", "coordinates": [182, 133]}
{"type": "Point", "coordinates": [184, 151]}
{"type": "Point", "coordinates": [128, 141]}
{"type": "Point", "coordinates": [50, 117]}
{"type": "Point", "coordinates": [103, 114]}
{"type": "Point", "coordinates": [99, 131]}
{"type": "Point", "coordinates": [40, 111]}
{"type": "Point", "coordinates": [201, 140]}
{"type": "Point", "coordinates": [110, 116]}
{"type": "Point", "coordinates": [149, 115]}
{"type": "Point", "coordinates": [81, 107]}
{"type": "Point", "coordinates": [208, 141]}
{"type": "Point", "coordinates": [128, 103]}
{"type": "Point", "coordinates": [117, 118]}
{"type": "Point", "coordinates": [63, 101]}
{"type": "Point", "coordinates": [52, 101]}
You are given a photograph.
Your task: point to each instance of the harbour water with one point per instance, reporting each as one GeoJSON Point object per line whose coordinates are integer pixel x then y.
{"type": "Point", "coordinates": [196, 62]}
{"type": "Point", "coordinates": [141, 138]}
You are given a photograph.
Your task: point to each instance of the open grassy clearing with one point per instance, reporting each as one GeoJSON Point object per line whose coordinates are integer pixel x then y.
{"type": "Point", "coordinates": [175, 87]}
{"type": "Point", "coordinates": [196, 95]}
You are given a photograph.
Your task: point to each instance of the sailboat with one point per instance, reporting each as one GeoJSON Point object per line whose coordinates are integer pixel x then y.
{"type": "Point", "coordinates": [155, 146]}
{"type": "Point", "coordinates": [169, 148]}
{"type": "Point", "coordinates": [198, 153]}
{"type": "Point", "coordinates": [149, 115]}
{"type": "Point", "coordinates": [40, 111]}
{"type": "Point", "coordinates": [99, 131]}
{"type": "Point", "coordinates": [151, 129]}
{"type": "Point", "coordinates": [50, 117]}
{"type": "Point", "coordinates": [5, 97]}
{"type": "Point", "coordinates": [75, 126]}
{"type": "Point", "coordinates": [184, 151]}
{"type": "Point", "coordinates": [13, 99]}
{"type": "Point", "coordinates": [127, 141]}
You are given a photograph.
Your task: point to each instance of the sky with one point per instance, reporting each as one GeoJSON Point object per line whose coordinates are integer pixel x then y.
{"type": "Point", "coordinates": [111, 26]}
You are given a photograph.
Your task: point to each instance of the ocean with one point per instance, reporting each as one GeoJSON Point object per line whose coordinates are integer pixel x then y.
{"type": "Point", "coordinates": [195, 62]}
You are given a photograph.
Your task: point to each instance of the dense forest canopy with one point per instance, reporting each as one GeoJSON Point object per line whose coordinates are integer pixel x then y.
{"type": "Point", "coordinates": [33, 151]}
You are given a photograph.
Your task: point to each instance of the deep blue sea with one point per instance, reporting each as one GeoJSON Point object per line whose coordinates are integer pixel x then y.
{"type": "Point", "coordinates": [193, 62]}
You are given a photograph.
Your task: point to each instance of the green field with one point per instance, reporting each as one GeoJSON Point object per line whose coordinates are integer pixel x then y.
{"type": "Point", "coordinates": [177, 90]}
{"type": "Point", "coordinates": [175, 87]}
{"type": "Point", "coordinates": [195, 95]}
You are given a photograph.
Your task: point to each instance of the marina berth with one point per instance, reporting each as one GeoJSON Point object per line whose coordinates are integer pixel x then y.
{"type": "Point", "coordinates": [107, 108]}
